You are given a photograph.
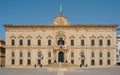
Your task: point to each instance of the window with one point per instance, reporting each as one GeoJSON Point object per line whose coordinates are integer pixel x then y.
{"type": "Point", "coordinates": [20, 54]}
{"type": "Point", "coordinates": [29, 54]}
{"type": "Point", "coordinates": [100, 62]}
{"type": "Point", "coordinates": [100, 54]}
{"type": "Point", "coordinates": [82, 42]}
{"type": "Point", "coordinates": [39, 42]}
{"type": "Point", "coordinates": [92, 54]}
{"type": "Point", "coordinates": [39, 61]}
{"type": "Point", "coordinates": [60, 41]}
{"type": "Point", "coordinates": [49, 61]}
{"type": "Point", "coordinates": [13, 54]}
{"type": "Point", "coordinates": [39, 54]}
{"type": "Point", "coordinates": [72, 61]}
{"type": "Point", "coordinates": [108, 54]}
{"type": "Point", "coordinates": [108, 61]}
{"type": "Point", "coordinates": [21, 62]}
{"type": "Point", "coordinates": [20, 42]}
{"type": "Point", "coordinates": [100, 42]}
{"type": "Point", "coordinates": [72, 42]}
{"type": "Point", "coordinates": [72, 54]}
{"type": "Point", "coordinates": [28, 61]}
{"type": "Point", "coordinates": [49, 54]}
{"type": "Point", "coordinates": [29, 42]}
{"type": "Point", "coordinates": [92, 62]}
{"type": "Point", "coordinates": [12, 61]}
{"type": "Point", "coordinates": [92, 42]}
{"type": "Point", "coordinates": [49, 42]}
{"type": "Point", "coordinates": [12, 42]}
{"type": "Point", "coordinates": [82, 62]}
{"type": "Point", "coordinates": [108, 42]}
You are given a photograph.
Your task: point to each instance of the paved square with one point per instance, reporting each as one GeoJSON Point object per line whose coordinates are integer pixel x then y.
{"type": "Point", "coordinates": [44, 71]}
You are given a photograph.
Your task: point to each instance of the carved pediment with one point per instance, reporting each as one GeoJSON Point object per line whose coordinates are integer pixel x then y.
{"type": "Point", "coordinates": [108, 37]}
{"type": "Point", "coordinates": [29, 37]}
{"type": "Point", "coordinates": [20, 37]}
{"type": "Point", "coordinates": [39, 37]}
{"type": "Point", "coordinates": [100, 37]}
{"type": "Point", "coordinates": [82, 36]}
{"type": "Point", "coordinates": [72, 36]}
{"type": "Point", "coordinates": [93, 36]}
{"type": "Point", "coordinates": [49, 36]}
{"type": "Point", "coordinates": [13, 37]}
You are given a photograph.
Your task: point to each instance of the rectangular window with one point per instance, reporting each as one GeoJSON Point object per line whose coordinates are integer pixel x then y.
{"type": "Point", "coordinates": [49, 61]}
{"type": "Point", "coordinates": [29, 54]}
{"type": "Point", "coordinates": [92, 42]}
{"type": "Point", "coordinates": [39, 42]}
{"type": "Point", "coordinates": [100, 62]}
{"type": "Point", "coordinates": [82, 42]}
{"type": "Point", "coordinates": [21, 62]}
{"type": "Point", "coordinates": [108, 61]}
{"type": "Point", "coordinates": [21, 42]}
{"type": "Point", "coordinates": [49, 42]}
{"type": "Point", "coordinates": [72, 61]}
{"type": "Point", "coordinates": [82, 62]}
{"type": "Point", "coordinates": [108, 42]}
{"type": "Point", "coordinates": [100, 42]}
{"type": "Point", "coordinates": [72, 54]}
{"type": "Point", "coordinates": [13, 54]}
{"type": "Point", "coordinates": [12, 42]}
{"type": "Point", "coordinates": [29, 42]}
{"type": "Point", "coordinates": [49, 54]}
{"type": "Point", "coordinates": [92, 54]}
{"type": "Point", "coordinates": [72, 42]}
{"type": "Point", "coordinates": [21, 54]}
{"type": "Point", "coordinates": [29, 62]}
{"type": "Point", "coordinates": [39, 61]}
{"type": "Point", "coordinates": [12, 61]}
{"type": "Point", "coordinates": [100, 54]}
{"type": "Point", "coordinates": [92, 62]}
{"type": "Point", "coordinates": [108, 54]}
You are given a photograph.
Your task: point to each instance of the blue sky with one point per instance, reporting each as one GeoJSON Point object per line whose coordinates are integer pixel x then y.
{"type": "Point", "coordinates": [44, 12]}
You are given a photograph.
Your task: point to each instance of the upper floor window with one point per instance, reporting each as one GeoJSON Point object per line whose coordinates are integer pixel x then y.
{"type": "Point", "coordinates": [20, 42]}
{"type": "Point", "coordinates": [92, 42]}
{"type": "Point", "coordinates": [108, 42]}
{"type": "Point", "coordinates": [39, 42]}
{"type": "Point", "coordinates": [100, 42]}
{"type": "Point", "coordinates": [12, 42]}
{"type": "Point", "coordinates": [108, 54]}
{"type": "Point", "coordinates": [13, 54]}
{"type": "Point", "coordinates": [49, 42]}
{"type": "Point", "coordinates": [92, 54]}
{"type": "Point", "coordinates": [72, 42]}
{"type": "Point", "coordinates": [60, 41]}
{"type": "Point", "coordinates": [28, 42]}
{"type": "Point", "coordinates": [49, 54]}
{"type": "Point", "coordinates": [82, 42]}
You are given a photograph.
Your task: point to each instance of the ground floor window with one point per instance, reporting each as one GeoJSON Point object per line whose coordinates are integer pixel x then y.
{"type": "Point", "coordinates": [12, 61]}
{"type": "Point", "coordinates": [29, 62]}
{"type": "Point", "coordinates": [21, 62]}
{"type": "Point", "coordinates": [100, 62]}
{"type": "Point", "coordinates": [82, 62]}
{"type": "Point", "coordinates": [108, 61]}
{"type": "Point", "coordinates": [72, 61]}
{"type": "Point", "coordinates": [49, 61]}
{"type": "Point", "coordinates": [39, 61]}
{"type": "Point", "coordinates": [92, 62]}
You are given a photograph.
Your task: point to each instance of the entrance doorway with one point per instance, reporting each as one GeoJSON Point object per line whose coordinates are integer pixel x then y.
{"type": "Point", "coordinates": [60, 57]}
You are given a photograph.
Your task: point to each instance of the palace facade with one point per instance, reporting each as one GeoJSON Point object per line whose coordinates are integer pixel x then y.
{"type": "Point", "coordinates": [61, 41]}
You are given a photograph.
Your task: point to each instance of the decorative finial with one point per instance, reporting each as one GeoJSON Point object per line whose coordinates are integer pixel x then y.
{"type": "Point", "coordinates": [60, 9]}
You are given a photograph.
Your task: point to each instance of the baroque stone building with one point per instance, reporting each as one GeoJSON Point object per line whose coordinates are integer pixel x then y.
{"type": "Point", "coordinates": [2, 52]}
{"type": "Point", "coordinates": [118, 50]}
{"type": "Point", "coordinates": [61, 41]}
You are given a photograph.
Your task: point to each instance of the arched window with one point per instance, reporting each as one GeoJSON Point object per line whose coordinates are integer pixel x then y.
{"type": "Point", "coordinates": [100, 42]}
{"type": "Point", "coordinates": [92, 42]}
{"type": "Point", "coordinates": [82, 42]}
{"type": "Point", "coordinates": [28, 42]}
{"type": "Point", "coordinates": [20, 42]}
{"type": "Point", "coordinates": [60, 41]}
{"type": "Point", "coordinates": [108, 42]}
{"type": "Point", "coordinates": [12, 42]}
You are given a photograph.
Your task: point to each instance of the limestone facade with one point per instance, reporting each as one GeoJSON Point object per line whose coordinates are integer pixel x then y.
{"type": "Point", "coordinates": [27, 45]}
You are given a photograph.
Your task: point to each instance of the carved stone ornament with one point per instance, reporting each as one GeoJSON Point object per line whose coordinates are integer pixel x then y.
{"type": "Point", "coordinates": [20, 37]}
{"type": "Point", "coordinates": [60, 21]}
{"type": "Point", "coordinates": [100, 36]}
{"type": "Point", "coordinates": [92, 36]}
{"type": "Point", "coordinates": [108, 37]}
{"type": "Point", "coordinates": [29, 37]}
{"type": "Point", "coordinates": [39, 37]}
{"type": "Point", "coordinates": [82, 36]}
{"type": "Point", "coordinates": [12, 37]}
